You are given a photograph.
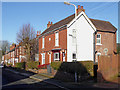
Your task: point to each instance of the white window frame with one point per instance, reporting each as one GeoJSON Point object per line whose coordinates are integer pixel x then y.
{"type": "Point", "coordinates": [98, 39]}
{"type": "Point", "coordinates": [43, 42]}
{"type": "Point", "coordinates": [56, 59]}
{"type": "Point", "coordinates": [56, 38]}
{"type": "Point", "coordinates": [43, 58]}
{"type": "Point", "coordinates": [97, 54]}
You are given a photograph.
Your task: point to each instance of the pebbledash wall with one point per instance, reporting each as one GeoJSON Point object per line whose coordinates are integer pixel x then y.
{"type": "Point", "coordinates": [85, 34]}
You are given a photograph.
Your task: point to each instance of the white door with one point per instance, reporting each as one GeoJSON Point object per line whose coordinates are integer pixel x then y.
{"type": "Point", "coordinates": [43, 58]}
{"type": "Point", "coordinates": [63, 56]}
{"type": "Point", "coordinates": [49, 58]}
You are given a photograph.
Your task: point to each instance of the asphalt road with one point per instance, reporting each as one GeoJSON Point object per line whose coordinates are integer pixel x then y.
{"type": "Point", "coordinates": [11, 80]}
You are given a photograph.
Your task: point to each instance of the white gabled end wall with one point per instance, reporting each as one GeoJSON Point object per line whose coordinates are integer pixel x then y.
{"type": "Point", "coordinates": [85, 38]}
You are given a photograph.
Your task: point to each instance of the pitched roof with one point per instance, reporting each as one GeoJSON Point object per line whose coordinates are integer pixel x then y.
{"type": "Point", "coordinates": [103, 25]}
{"type": "Point", "coordinates": [99, 24]}
{"type": "Point", "coordinates": [60, 23]}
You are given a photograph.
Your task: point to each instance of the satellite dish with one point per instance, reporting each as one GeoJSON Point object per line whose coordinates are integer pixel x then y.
{"type": "Point", "coordinates": [105, 50]}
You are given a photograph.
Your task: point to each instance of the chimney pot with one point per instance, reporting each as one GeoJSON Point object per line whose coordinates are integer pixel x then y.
{"type": "Point", "coordinates": [51, 23]}
{"type": "Point", "coordinates": [81, 7]}
{"type": "Point", "coordinates": [39, 32]}
{"type": "Point", "coordinates": [78, 6]}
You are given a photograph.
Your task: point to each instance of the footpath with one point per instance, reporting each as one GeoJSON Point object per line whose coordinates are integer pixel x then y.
{"type": "Point", "coordinates": [47, 78]}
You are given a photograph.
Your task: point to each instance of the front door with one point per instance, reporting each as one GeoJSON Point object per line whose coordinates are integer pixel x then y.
{"type": "Point", "coordinates": [56, 56]}
{"type": "Point", "coordinates": [63, 54]}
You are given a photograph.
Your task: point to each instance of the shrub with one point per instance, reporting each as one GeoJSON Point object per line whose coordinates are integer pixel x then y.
{"type": "Point", "coordinates": [82, 67]}
{"type": "Point", "coordinates": [32, 64]}
{"type": "Point", "coordinates": [56, 65]}
{"type": "Point", "coordinates": [9, 64]}
{"type": "Point", "coordinates": [20, 65]}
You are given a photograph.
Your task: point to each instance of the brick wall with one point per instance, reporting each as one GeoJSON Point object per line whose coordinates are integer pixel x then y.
{"type": "Point", "coordinates": [107, 67]}
{"type": "Point", "coordinates": [50, 44]}
{"type": "Point", "coordinates": [108, 40]}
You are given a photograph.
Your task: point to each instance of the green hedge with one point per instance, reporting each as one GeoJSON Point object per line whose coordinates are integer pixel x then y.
{"type": "Point", "coordinates": [20, 65]}
{"type": "Point", "coordinates": [82, 67]}
{"type": "Point", "coordinates": [32, 64]}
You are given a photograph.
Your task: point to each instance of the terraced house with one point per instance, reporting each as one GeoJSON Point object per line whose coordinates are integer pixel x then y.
{"type": "Point", "coordinates": [80, 38]}
{"type": "Point", "coordinates": [15, 55]}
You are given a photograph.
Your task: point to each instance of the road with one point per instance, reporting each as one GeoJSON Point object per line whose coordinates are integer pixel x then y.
{"type": "Point", "coordinates": [12, 80]}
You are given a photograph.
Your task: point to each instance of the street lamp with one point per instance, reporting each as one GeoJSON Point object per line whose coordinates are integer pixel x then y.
{"type": "Point", "coordinates": [67, 3]}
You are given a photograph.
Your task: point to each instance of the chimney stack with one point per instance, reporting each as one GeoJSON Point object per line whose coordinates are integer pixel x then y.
{"type": "Point", "coordinates": [38, 33]}
{"type": "Point", "coordinates": [79, 9]}
{"type": "Point", "coordinates": [49, 24]}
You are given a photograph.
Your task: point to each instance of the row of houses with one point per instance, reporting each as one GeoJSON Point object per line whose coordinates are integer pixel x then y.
{"type": "Point", "coordinates": [73, 38]}
{"type": "Point", "coordinates": [15, 55]}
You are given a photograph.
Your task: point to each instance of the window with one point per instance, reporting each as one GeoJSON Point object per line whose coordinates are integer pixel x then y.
{"type": "Point", "coordinates": [56, 56]}
{"type": "Point", "coordinates": [56, 39]}
{"type": "Point", "coordinates": [74, 35]}
{"type": "Point", "coordinates": [49, 39]}
{"type": "Point", "coordinates": [98, 38]}
{"type": "Point", "coordinates": [74, 56]}
{"type": "Point", "coordinates": [43, 42]}
{"type": "Point", "coordinates": [43, 58]}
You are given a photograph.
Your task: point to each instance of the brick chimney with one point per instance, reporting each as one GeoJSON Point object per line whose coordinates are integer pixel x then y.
{"type": "Point", "coordinates": [79, 9]}
{"type": "Point", "coordinates": [12, 46]}
{"type": "Point", "coordinates": [49, 24]}
{"type": "Point", "coordinates": [38, 33]}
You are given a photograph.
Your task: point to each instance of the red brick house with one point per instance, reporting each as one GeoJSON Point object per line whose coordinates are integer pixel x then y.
{"type": "Point", "coordinates": [80, 38]}
{"type": "Point", "coordinates": [15, 55]}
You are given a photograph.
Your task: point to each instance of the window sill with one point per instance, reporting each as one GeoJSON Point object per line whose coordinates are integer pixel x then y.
{"type": "Point", "coordinates": [57, 46]}
{"type": "Point", "coordinates": [98, 44]}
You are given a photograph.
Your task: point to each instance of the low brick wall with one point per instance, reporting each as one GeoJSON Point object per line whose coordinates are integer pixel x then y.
{"type": "Point", "coordinates": [107, 67]}
{"type": "Point", "coordinates": [42, 71]}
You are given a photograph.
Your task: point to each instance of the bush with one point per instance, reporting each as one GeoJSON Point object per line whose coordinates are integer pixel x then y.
{"type": "Point", "coordinates": [20, 65]}
{"type": "Point", "coordinates": [32, 64]}
{"type": "Point", "coordinates": [56, 65]}
{"type": "Point", "coordinates": [82, 67]}
{"type": "Point", "coordinates": [9, 64]}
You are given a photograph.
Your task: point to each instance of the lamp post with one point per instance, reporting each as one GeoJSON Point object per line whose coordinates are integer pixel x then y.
{"type": "Point", "coordinates": [67, 3]}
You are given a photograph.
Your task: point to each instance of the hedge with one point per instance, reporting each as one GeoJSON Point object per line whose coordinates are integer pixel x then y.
{"type": "Point", "coordinates": [20, 65]}
{"type": "Point", "coordinates": [32, 64]}
{"type": "Point", "coordinates": [82, 67]}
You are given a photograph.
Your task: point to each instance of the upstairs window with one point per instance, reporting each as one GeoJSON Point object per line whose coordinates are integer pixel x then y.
{"type": "Point", "coordinates": [43, 42]}
{"type": "Point", "coordinates": [56, 39]}
{"type": "Point", "coordinates": [98, 38]}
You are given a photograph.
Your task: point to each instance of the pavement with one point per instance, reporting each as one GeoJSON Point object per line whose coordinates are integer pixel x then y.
{"type": "Point", "coordinates": [48, 78]}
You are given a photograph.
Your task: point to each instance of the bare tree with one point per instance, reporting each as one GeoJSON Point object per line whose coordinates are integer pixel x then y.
{"type": "Point", "coordinates": [26, 36]}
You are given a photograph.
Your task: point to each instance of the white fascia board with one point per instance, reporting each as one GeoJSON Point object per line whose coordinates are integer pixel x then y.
{"type": "Point", "coordinates": [86, 17]}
